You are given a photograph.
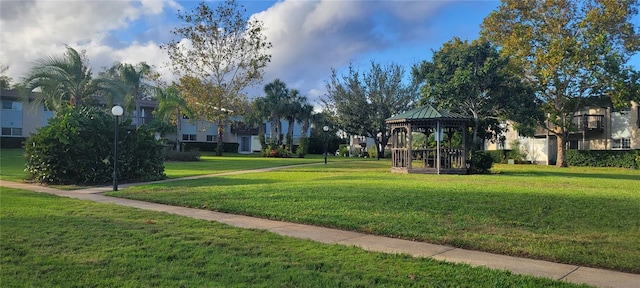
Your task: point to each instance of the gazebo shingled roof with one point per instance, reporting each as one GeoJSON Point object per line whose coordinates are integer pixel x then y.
{"type": "Point", "coordinates": [426, 112]}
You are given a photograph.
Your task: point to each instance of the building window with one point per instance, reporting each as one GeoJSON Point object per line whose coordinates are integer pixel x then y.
{"type": "Point", "coordinates": [189, 137]}
{"type": "Point", "coordinates": [11, 131]}
{"type": "Point", "coordinates": [11, 105]}
{"type": "Point", "coordinates": [622, 143]}
{"type": "Point", "coordinates": [212, 138]}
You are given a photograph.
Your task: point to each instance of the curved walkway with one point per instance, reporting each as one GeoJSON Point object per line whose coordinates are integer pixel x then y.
{"type": "Point", "coordinates": [565, 272]}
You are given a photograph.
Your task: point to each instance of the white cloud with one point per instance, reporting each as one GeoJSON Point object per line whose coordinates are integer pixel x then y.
{"type": "Point", "coordinates": [31, 30]}
{"type": "Point", "coordinates": [311, 37]}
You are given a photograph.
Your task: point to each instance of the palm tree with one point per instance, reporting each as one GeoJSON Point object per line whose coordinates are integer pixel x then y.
{"type": "Point", "coordinates": [274, 105]}
{"type": "Point", "coordinates": [63, 81]}
{"type": "Point", "coordinates": [131, 80]}
{"type": "Point", "coordinates": [293, 110]}
{"type": "Point", "coordinates": [168, 113]}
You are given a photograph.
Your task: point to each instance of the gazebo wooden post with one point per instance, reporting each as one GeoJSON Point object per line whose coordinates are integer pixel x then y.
{"type": "Point", "coordinates": [409, 147]}
{"type": "Point", "coordinates": [438, 146]}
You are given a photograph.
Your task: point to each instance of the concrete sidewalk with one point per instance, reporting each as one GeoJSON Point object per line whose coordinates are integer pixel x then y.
{"type": "Point", "coordinates": [569, 273]}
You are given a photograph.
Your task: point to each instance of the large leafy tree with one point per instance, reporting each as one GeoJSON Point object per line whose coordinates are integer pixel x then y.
{"type": "Point", "coordinates": [65, 81]}
{"type": "Point", "coordinates": [361, 102]}
{"type": "Point", "coordinates": [572, 51]}
{"type": "Point", "coordinates": [474, 80]}
{"type": "Point", "coordinates": [223, 50]}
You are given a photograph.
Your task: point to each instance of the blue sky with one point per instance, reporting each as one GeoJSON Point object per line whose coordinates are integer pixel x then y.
{"type": "Point", "coordinates": [309, 37]}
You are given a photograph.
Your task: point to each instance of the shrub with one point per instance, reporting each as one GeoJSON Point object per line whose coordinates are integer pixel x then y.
{"type": "Point", "coordinates": [76, 147]}
{"type": "Point", "coordinates": [498, 156]}
{"type": "Point", "coordinates": [344, 150]}
{"type": "Point", "coordinates": [515, 153]}
{"type": "Point", "coordinates": [481, 162]}
{"type": "Point", "coordinates": [303, 147]}
{"type": "Point", "coordinates": [604, 158]}
{"type": "Point", "coordinates": [373, 152]}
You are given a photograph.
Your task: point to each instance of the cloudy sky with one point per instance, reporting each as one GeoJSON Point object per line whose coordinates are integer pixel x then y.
{"type": "Point", "coordinates": [309, 37]}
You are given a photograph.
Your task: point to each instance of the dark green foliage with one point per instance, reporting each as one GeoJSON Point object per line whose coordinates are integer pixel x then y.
{"type": "Point", "coordinates": [604, 158]}
{"type": "Point", "coordinates": [498, 156]}
{"type": "Point", "coordinates": [11, 142]}
{"type": "Point", "coordinates": [303, 147]}
{"type": "Point", "coordinates": [76, 147]}
{"type": "Point", "coordinates": [211, 146]}
{"type": "Point", "coordinates": [172, 155]}
{"type": "Point", "coordinates": [481, 162]}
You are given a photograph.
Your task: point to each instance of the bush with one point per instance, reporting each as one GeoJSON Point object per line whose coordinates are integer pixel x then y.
{"type": "Point", "coordinates": [498, 156]}
{"type": "Point", "coordinates": [303, 147]}
{"type": "Point", "coordinates": [481, 162]}
{"type": "Point", "coordinates": [76, 147]}
{"type": "Point", "coordinates": [604, 158]}
{"type": "Point", "coordinates": [343, 150]}
{"type": "Point", "coordinates": [373, 152]}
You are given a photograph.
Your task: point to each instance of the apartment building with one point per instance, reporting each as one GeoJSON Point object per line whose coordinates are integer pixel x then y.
{"type": "Point", "coordinates": [20, 119]}
{"type": "Point", "coordinates": [596, 128]}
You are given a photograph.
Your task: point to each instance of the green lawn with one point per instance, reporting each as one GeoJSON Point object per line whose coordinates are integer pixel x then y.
{"type": "Point", "coordinates": [49, 241]}
{"type": "Point", "coordinates": [582, 216]}
{"type": "Point", "coordinates": [210, 164]}
{"type": "Point", "coordinates": [12, 165]}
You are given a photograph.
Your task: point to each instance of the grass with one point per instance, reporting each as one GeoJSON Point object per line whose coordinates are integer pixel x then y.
{"type": "Point", "coordinates": [49, 241]}
{"type": "Point", "coordinates": [210, 164]}
{"type": "Point", "coordinates": [582, 216]}
{"type": "Point", "coordinates": [12, 164]}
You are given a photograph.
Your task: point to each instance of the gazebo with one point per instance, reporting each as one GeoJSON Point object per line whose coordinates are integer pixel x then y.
{"type": "Point", "coordinates": [429, 141]}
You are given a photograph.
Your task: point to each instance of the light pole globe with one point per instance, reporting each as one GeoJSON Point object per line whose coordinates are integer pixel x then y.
{"type": "Point", "coordinates": [326, 142]}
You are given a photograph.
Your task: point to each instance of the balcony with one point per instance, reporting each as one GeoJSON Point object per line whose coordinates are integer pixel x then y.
{"type": "Point", "coordinates": [581, 123]}
{"type": "Point", "coordinates": [589, 122]}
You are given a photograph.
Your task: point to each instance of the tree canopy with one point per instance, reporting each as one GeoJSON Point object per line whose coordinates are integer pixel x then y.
{"type": "Point", "coordinates": [572, 51]}
{"type": "Point", "coordinates": [221, 49]}
{"type": "Point", "coordinates": [361, 102]}
{"type": "Point", "coordinates": [473, 79]}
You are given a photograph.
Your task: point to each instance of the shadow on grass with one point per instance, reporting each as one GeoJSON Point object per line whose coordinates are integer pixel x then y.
{"type": "Point", "coordinates": [572, 175]}
{"type": "Point", "coordinates": [212, 181]}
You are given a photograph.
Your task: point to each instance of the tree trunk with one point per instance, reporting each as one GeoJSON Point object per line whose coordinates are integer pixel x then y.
{"type": "Point", "coordinates": [290, 134]}
{"type": "Point", "coordinates": [273, 131]}
{"type": "Point", "coordinates": [220, 140]}
{"type": "Point", "coordinates": [561, 160]}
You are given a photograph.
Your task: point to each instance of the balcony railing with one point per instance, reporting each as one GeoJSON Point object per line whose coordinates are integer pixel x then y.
{"type": "Point", "coordinates": [589, 122]}
{"type": "Point", "coordinates": [582, 123]}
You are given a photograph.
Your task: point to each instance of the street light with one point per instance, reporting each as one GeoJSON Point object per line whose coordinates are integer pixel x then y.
{"type": "Point", "coordinates": [326, 142]}
{"type": "Point", "coordinates": [116, 111]}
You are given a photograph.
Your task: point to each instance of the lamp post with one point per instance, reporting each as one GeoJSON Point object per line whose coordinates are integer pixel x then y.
{"type": "Point", "coordinates": [116, 111]}
{"type": "Point", "coordinates": [326, 142]}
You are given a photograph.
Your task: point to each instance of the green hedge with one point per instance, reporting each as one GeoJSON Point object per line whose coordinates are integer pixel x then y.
{"type": "Point", "coordinates": [211, 146]}
{"type": "Point", "coordinates": [11, 142]}
{"type": "Point", "coordinates": [604, 158]}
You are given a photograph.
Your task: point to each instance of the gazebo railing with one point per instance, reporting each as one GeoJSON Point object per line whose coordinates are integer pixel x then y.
{"type": "Point", "coordinates": [449, 158]}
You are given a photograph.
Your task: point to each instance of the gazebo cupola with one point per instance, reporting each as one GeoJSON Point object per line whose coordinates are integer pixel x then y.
{"type": "Point", "coordinates": [428, 140]}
